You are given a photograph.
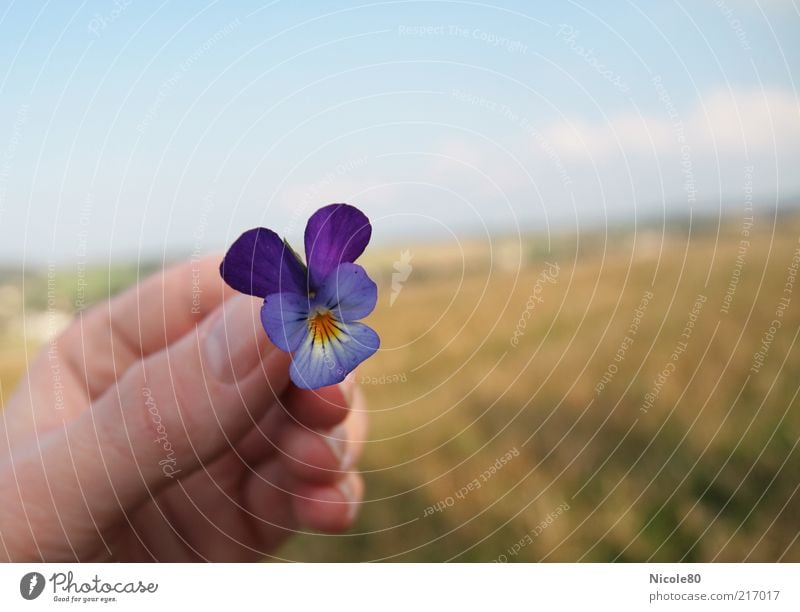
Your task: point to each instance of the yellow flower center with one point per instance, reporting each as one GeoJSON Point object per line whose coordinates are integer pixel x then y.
{"type": "Point", "coordinates": [324, 327]}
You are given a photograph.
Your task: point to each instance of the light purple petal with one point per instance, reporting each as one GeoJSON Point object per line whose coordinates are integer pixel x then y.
{"type": "Point", "coordinates": [259, 263]}
{"type": "Point", "coordinates": [285, 319]}
{"type": "Point", "coordinates": [348, 292]}
{"type": "Point", "coordinates": [319, 364]}
{"type": "Point", "coordinates": [335, 234]}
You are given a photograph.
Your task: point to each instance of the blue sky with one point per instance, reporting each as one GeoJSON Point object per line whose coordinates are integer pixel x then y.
{"type": "Point", "coordinates": [134, 129]}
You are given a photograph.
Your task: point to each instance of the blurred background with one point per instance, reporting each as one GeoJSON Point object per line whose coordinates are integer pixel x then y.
{"type": "Point", "coordinates": [586, 240]}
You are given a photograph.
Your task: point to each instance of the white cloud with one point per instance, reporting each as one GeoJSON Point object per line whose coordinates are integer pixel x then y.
{"type": "Point", "coordinates": [757, 123]}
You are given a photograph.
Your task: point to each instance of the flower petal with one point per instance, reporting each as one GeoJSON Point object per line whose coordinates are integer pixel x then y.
{"type": "Point", "coordinates": [335, 234]}
{"type": "Point", "coordinates": [319, 362]}
{"type": "Point", "coordinates": [348, 292]}
{"type": "Point", "coordinates": [260, 263]}
{"type": "Point", "coordinates": [285, 319]}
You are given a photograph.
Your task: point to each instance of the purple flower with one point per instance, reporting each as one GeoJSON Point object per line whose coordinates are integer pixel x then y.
{"type": "Point", "coordinates": [311, 311]}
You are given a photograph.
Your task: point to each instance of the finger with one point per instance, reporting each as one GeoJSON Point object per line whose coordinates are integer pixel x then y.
{"type": "Point", "coordinates": [260, 442]}
{"type": "Point", "coordinates": [203, 522]}
{"type": "Point", "coordinates": [176, 409]}
{"type": "Point", "coordinates": [322, 456]}
{"type": "Point", "coordinates": [102, 343]}
{"type": "Point", "coordinates": [320, 408]}
{"type": "Point", "coordinates": [267, 502]}
{"type": "Point", "coordinates": [328, 508]}
{"type": "Point", "coordinates": [143, 320]}
{"type": "Point", "coordinates": [325, 507]}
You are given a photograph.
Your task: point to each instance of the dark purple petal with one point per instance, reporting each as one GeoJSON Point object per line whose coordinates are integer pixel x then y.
{"type": "Point", "coordinates": [318, 363]}
{"type": "Point", "coordinates": [348, 292]}
{"type": "Point", "coordinates": [285, 319]}
{"type": "Point", "coordinates": [335, 234]}
{"type": "Point", "coordinates": [259, 263]}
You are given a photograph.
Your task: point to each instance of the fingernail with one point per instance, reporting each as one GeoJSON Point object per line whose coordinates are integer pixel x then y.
{"type": "Point", "coordinates": [347, 387]}
{"type": "Point", "coordinates": [336, 439]}
{"type": "Point", "coordinates": [235, 342]}
{"type": "Point", "coordinates": [349, 494]}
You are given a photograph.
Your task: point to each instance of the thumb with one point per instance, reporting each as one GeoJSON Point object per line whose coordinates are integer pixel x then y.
{"type": "Point", "coordinates": [178, 409]}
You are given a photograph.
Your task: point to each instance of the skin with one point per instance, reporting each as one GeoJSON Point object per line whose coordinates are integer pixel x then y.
{"type": "Point", "coordinates": [162, 425]}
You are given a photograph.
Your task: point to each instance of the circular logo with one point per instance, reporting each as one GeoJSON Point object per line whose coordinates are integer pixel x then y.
{"type": "Point", "coordinates": [31, 585]}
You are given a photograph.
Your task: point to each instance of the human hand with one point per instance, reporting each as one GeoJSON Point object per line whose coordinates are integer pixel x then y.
{"type": "Point", "coordinates": [162, 426]}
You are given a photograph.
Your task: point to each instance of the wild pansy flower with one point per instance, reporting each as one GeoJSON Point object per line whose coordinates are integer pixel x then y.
{"type": "Point", "coordinates": [311, 311]}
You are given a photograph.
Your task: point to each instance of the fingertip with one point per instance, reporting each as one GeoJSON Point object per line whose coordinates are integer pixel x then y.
{"type": "Point", "coordinates": [331, 509]}
{"type": "Point", "coordinates": [315, 456]}
{"type": "Point", "coordinates": [234, 341]}
{"type": "Point", "coordinates": [318, 408]}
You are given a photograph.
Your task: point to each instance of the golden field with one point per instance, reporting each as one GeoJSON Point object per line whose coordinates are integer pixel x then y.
{"type": "Point", "coordinates": [610, 426]}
